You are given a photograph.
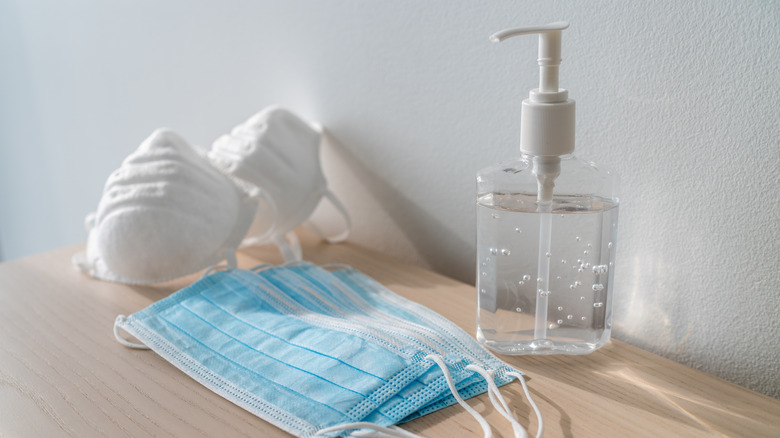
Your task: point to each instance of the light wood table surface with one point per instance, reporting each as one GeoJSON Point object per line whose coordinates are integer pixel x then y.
{"type": "Point", "coordinates": [63, 374]}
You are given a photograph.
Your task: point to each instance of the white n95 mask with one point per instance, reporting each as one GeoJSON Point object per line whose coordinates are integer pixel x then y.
{"type": "Point", "coordinates": [277, 152]}
{"type": "Point", "coordinates": [165, 213]}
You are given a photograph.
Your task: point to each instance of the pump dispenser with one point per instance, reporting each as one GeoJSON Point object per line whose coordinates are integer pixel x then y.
{"type": "Point", "coordinates": [550, 215]}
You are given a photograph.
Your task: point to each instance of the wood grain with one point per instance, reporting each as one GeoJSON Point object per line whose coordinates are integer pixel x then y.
{"type": "Point", "coordinates": [63, 374]}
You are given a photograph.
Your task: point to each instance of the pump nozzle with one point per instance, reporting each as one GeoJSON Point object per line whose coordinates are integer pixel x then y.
{"type": "Point", "coordinates": [547, 121]}
{"type": "Point", "coordinates": [549, 51]}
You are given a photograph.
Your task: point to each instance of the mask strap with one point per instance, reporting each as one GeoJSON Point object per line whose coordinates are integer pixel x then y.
{"type": "Point", "coordinates": [347, 221]}
{"type": "Point", "coordinates": [289, 246]}
{"type": "Point", "coordinates": [451, 384]}
{"type": "Point", "coordinates": [274, 212]}
{"type": "Point", "coordinates": [79, 259]}
{"type": "Point", "coordinates": [495, 397]}
{"type": "Point", "coordinates": [80, 262]}
{"type": "Point", "coordinates": [498, 400]}
{"type": "Point", "coordinates": [230, 258]}
{"type": "Point", "coordinates": [263, 238]}
{"type": "Point", "coordinates": [213, 269]}
{"type": "Point", "coordinates": [336, 267]}
{"type": "Point", "coordinates": [119, 320]}
{"type": "Point", "coordinates": [261, 267]}
{"type": "Point", "coordinates": [540, 431]}
{"type": "Point", "coordinates": [374, 430]}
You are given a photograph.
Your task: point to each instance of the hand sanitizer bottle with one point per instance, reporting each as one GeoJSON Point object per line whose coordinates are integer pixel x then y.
{"type": "Point", "coordinates": [546, 229]}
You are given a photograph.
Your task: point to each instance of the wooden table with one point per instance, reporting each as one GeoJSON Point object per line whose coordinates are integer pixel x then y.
{"type": "Point", "coordinates": [63, 374]}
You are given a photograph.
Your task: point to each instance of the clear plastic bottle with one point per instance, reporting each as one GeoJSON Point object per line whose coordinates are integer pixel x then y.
{"type": "Point", "coordinates": [581, 221]}
{"type": "Point", "coordinates": [546, 229]}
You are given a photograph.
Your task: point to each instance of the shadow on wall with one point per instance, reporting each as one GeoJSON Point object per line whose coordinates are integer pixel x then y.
{"type": "Point", "coordinates": [427, 234]}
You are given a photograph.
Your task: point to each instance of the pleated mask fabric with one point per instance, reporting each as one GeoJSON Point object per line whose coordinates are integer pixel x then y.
{"type": "Point", "coordinates": [310, 350]}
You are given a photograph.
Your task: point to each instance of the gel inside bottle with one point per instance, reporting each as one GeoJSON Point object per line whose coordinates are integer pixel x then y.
{"type": "Point", "coordinates": [546, 230]}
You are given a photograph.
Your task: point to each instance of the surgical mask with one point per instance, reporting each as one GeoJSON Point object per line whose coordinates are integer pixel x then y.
{"type": "Point", "coordinates": [319, 353]}
{"type": "Point", "coordinates": [278, 153]}
{"type": "Point", "coordinates": [165, 213]}
{"type": "Point", "coordinates": [368, 303]}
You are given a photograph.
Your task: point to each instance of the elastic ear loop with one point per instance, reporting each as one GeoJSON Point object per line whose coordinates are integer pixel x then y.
{"type": "Point", "coordinates": [120, 319]}
{"type": "Point", "coordinates": [347, 221]}
{"type": "Point", "coordinates": [230, 258]}
{"type": "Point", "coordinates": [333, 200]}
{"type": "Point", "coordinates": [375, 430]}
{"type": "Point", "coordinates": [263, 238]}
{"type": "Point", "coordinates": [336, 267]}
{"type": "Point", "coordinates": [540, 431]}
{"type": "Point", "coordinates": [290, 246]}
{"type": "Point", "coordinates": [215, 268]}
{"type": "Point", "coordinates": [79, 260]}
{"type": "Point", "coordinates": [264, 266]}
{"type": "Point", "coordinates": [451, 384]}
{"type": "Point", "coordinates": [397, 432]}
{"type": "Point", "coordinates": [498, 400]}
{"type": "Point", "coordinates": [260, 267]}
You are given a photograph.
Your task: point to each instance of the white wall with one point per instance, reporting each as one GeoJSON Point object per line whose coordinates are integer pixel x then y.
{"type": "Point", "coordinates": [679, 97]}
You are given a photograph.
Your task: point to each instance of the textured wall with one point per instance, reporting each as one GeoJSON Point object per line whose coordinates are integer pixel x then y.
{"type": "Point", "coordinates": [679, 97]}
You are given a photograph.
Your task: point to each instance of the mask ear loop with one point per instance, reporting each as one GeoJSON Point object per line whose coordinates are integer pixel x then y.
{"type": "Point", "coordinates": [292, 263]}
{"type": "Point", "coordinates": [498, 400]}
{"type": "Point", "coordinates": [215, 268]}
{"type": "Point", "coordinates": [289, 246]}
{"type": "Point", "coordinates": [79, 260]}
{"type": "Point", "coordinates": [119, 320]}
{"type": "Point", "coordinates": [540, 431]}
{"type": "Point", "coordinates": [375, 430]}
{"type": "Point", "coordinates": [261, 267]}
{"type": "Point", "coordinates": [338, 238]}
{"type": "Point", "coordinates": [482, 422]}
{"type": "Point", "coordinates": [336, 267]}
{"type": "Point", "coordinates": [267, 235]}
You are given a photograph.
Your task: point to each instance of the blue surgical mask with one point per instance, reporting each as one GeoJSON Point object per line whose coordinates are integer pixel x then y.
{"type": "Point", "coordinates": [316, 352]}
